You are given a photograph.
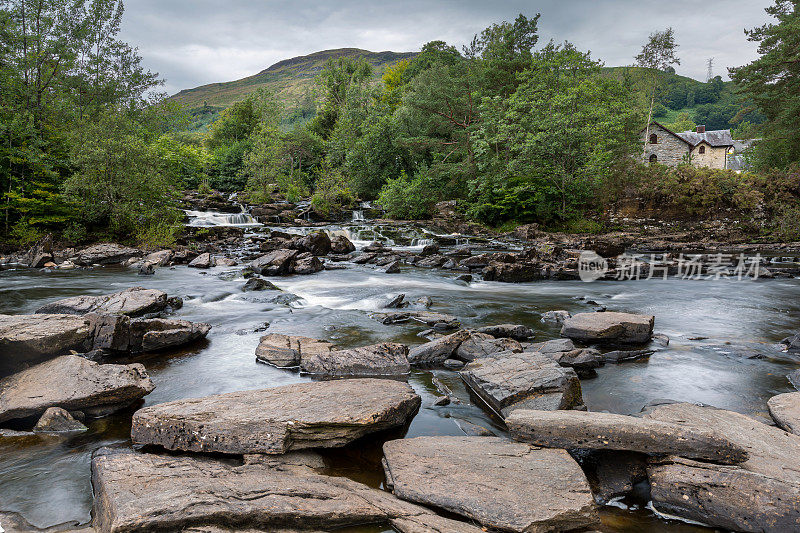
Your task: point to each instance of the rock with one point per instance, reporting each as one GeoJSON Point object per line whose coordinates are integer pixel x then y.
{"type": "Point", "coordinates": [159, 334]}
{"type": "Point", "coordinates": [794, 379]}
{"type": "Point", "coordinates": [317, 243]}
{"type": "Point", "coordinates": [556, 317]}
{"type": "Point", "coordinates": [424, 302]}
{"type": "Point", "coordinates": [511, 331]}
{"type": "Point", "coordinates": [275, 263]}
{"type": "Point", "coordinates": [106, 254]}
{"type": "Point", "coordinates": [161, 258]}
{"type": "Point", "coordinates": [393, 268]}
{"type": "Point", "coordinates": [792, 344]}
{"type": "Point", "coordinates": [584, 361]}
{"type": "Point", "coordinates": [479, 345]}
{"type": "Point", "coordinates": [441, 401]}
{"type": "Point", "coordinates": [512, 272]}
{"type": "Point", "coordinates": [609, 327]}
{"type": "Point", "coordinates": [147, 269]}
{"type": "Point", "coordinates": [396, 302]}
{"type": "Point", "coordinates": [424, 317]}
{"type": "Point", "coordinates": [376, 246]}
{"type": "Point", "coordinates": [259, 284]}
{"type": "Point", "coordinates": [288, 350]}
{"type": "Point", "coordinates": [785, 410]}
{"type": "Point", "coordinates": [553, 346]}
{"type": "Point", "coordinates": [432, 523]}
{"type": "Point", "coordinates": [307, 265]}
{"type": "Point", "coordinates": [30, 337]}
{"type": "Point", "coordinates": [527, 232]}
{"type": "Point", "coordinates": [501, 484]}
{"type": "Point", "coordinates": [133, 302]}
{"type": "Point", "coordinates": [322, 414]}
{"type": "Point", "coordinates": [614, 474]}
{"type": "Point", "coordinates": [760, 494]}
{"type": "Point", "coordinates": [225, 262]}
{"type": "Point", "coordinates": [429, 249]}
{"type": "Point", "coordinates": [342, 245]}
{"type": "Point", "coordinates": [58, 420]}
{"type": "Point", "coordinates": [466, 278]}
{"type": "Point", "coordinates": [453, 364]}
{"type": "Point", "coordinates": [606, 431]}
{"type": "Point", "coordinates": [40, 260]}
{"type": "Point", "coordinates": [202, 261]}
{"type": "Point", "coordinates": [384, 359]}
{"type": "Point", "coordinates": [437, 351]}
{"type": "Point", "coordinates": [619, 356]}
{"type": "Point", "coordinates": [72, 383]}
{"type": "Point", "coordinates": [140, 493]}
{"type": "Point", "coordinates": [508, 381]}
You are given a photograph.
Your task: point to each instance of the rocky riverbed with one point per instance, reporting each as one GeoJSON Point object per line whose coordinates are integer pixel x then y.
{"type": "Point", "coordinates": [301, 378]}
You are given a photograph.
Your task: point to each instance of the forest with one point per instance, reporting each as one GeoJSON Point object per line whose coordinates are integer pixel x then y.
{"type": "Point", "coordinates": [517, 130]}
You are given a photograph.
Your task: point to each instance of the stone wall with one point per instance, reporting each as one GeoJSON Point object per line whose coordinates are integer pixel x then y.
{"type": "Point", "coordinates": [713, 158]}
{"type": "Point", "coordinates": [669, 149]}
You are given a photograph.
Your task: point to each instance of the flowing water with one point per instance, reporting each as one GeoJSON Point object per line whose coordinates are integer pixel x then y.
{"type": "Point", "coordinates": [46, 479]}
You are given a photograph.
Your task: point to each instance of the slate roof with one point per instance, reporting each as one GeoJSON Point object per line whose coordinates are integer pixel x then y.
{"type": "Point", "coordinates": [717, 138]}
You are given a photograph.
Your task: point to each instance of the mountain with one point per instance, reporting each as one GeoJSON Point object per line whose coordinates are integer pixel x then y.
{"type": "Point", "coordinates": [290, 80]}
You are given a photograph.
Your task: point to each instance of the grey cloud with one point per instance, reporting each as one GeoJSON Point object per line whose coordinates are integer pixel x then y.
{"type": "Point", "coordinates": [193, 42]}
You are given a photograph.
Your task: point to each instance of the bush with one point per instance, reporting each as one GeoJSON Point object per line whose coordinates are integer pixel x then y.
{"type": "Point", "coordinates": [158, 235]}
{"type": "Point", "coordinates": [410, 198]}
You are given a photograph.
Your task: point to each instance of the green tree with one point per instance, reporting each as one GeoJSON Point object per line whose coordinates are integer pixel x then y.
{"type": "Point", "coordinates": [772, 82]}
{"type": "Point", "coordinates": [656, 56]}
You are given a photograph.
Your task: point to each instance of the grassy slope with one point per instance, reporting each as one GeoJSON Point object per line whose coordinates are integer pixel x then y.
{"type": "Point", "coordinates": [289, 80]}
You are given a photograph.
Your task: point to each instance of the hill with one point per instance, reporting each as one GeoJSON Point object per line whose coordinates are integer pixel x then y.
{"type": "Point", "coordinates": [291, 80]}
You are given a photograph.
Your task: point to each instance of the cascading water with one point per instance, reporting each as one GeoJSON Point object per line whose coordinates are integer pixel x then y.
{"type": "Point", "coordinates": [204, 219]}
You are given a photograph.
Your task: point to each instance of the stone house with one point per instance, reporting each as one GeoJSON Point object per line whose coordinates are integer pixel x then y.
{"type": "Point", "coordinates": [701, 148]}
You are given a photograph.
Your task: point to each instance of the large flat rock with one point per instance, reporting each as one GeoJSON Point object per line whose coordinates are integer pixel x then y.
{"type": "Point", "coordinates": [25, 337]}
{"type": "Point", "coordinates": [626, 328]}
{"type": "Point", "coordinates": [384, 359]}
{"type": "Point", "coordinates": [605, 431]}
{"type": "Point", "coordinates": [499, 483]}
{"type": "Point", "coordinates": [507, 381]}
{"type": "Point", "coordinates": [785, 410]}
{"type": "Point", "coordinates": [288, 350]}
{"type": "Point", "coordinates": [760, 494]}
{"type": "Point", "coordinates": [273, 421]}
{"type": "Point", "coordinates": [436, 352]}
{"type": "Point", "coordinates": [72, 383]}
{"type": "Point", "coordinates": [106, 254]}
{"type": "Point", "coordinates": [137, 493]}
{"type": "Point", "coordinates": [133, 302]}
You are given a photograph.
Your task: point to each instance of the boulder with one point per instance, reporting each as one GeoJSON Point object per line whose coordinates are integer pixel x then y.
{"type": "Point", "coordinates": [72, 383]}
{"type": "Point", "coordinates": [794, 379]}
{"type": "Point", "coordinates": [620, 356]}
{"type": "Point", "coordinates": [341, 245]}
{"type": "Point", "coordinates": [58, 420]}
{"type": "Point", "coordinates": [259, 284]}
{"type": "Point", "coordinates": [553, 346]}
{"type": "Point", "coordinates": [288, 350]}
{"type": "Point", "coordinates": [275, 263]}
{"type": "Point", "coordinates": [792, 343]}
{"type": "Point", "coordinates": [429, 249]}
{"type": "Point", "coordinates": [613, 474]}
{"type": "Point", "coordinates": [393, 268]}
{"type": "Point", "coordinates": [556, 317]}
{"type": "Point", "coordinates": [479, 345]}
{"type": "Point", "coordinates": [396, 303]}
{"type": "Point", "coordinates": [584, 360]}
{"type": "Point", "coordinates": [499, 483]}
{"type": "Point", "coordinates": [760, 494]}
{"type": "Point", "coordinates": [158, 334]}
{"type": "Point", "coordinates": [507, 381]}
{"type": "Point", "coordinates": [160, 258]}
{"type": "Point", "coordinates": [437, 351]}
{"type": "Point", "coordinates": [147, 269]}
{"type": "Point", "coordinates": [624, 328]}
{"type": "Point", "coordinates": [512, 272]}
{"type": "Point", "coordinates": [307, 265]}
{"type": "Point", "coordinates": [317, 243]}
{"type": "Point", "coordinates": [323, 414]}
{"type": "Point", "coordinates": [384, 359]}
{"type": "Point", "coordinates": [202, 261]}
{"type": "Point", "coordinates": [140, 493]}
{"type": "Point", "coordinates": [133, 302]}
{"type": "Point", "coordinates": [508, 331]}
{"type": "Point", "coordinates": [429, 318]}
{"type": "Point", "coordinates": [785, 410]}
{"type": "Point", "coordinates": [30, 337]}
{"type": "Point", "coordinates": [40, 260]}
{"type": "Point", "coordinates": [606, 431]}
{"type": "Point", "coordinates": [106, 254]}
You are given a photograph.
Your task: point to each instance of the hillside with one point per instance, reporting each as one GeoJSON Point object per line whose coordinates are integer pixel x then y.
{"type": "Point", "coordinates": [290, 80]}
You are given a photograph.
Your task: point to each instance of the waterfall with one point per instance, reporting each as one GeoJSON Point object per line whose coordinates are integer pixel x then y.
{"type": "Point", "coordinates": [204, 219]}
{"type": "Point", "coordinates": [358, 216]}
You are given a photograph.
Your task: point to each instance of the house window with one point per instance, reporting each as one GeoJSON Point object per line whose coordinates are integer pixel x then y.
{"type": "Point", "coordinates": [653, 139]}
{"type": "Point", "coordinates": [653, 159]}
{"type": "Point", "coordinates": [702, 150]}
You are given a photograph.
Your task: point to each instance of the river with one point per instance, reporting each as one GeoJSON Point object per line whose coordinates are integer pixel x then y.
{"type": "Point", "coordinates": [46, 479]}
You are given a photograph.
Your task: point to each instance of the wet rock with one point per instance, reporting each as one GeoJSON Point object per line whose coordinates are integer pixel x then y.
{"type": "Point", "coordinates": [794, 379]}
{"type": "Point", "coordinates": [429, 249]}
{"type": "Point", "coordinates": [40, 260]}
{"type": "Point", "coordinates": [384, 359]}
{"type": "Point", "coordinates": [609, 327]}
{"type": "Point", "coordinates": [160, 258]}
{"type": "Point", "coordinates": [619, 356]}
{"type": "Point", "coordinates": [393, 268]}
{"type": "Point", "coordinates": [466, 278]}
{"type": "Point", "coordinates": [376, 246]}
{"type": "Point", "coordinates": [424, 302]}
{"type": "Point", "coordinates": [583, 361]}
{"type": "Point", "coordinates": [431, 523]}
{"type": "Point", "coordinates": [147, 269]}
{"type": "Point", "coordinates": [606, 431]}
{"type": "Point", "coordinates": [151, 335]}
{"type": "Point", "coordinates": [58, 420]}
{"type": "Point", "coordinates": [317, 243]}
{"type": "Point", "coordinates": [508, 381]}
{"type": "Point", "coordinates": [365, 258]}
{"type": "Point", "coordinates": [307, 265]}
{"type": "Point", "coordinates": [275, 263]}
{"type": "Point", "coordinates": [424, 317]}
{"type": "Point", "coordinates": [512, 272]}
{"type": "Point", "coordinates": [323, 414]}
{"type": "Point", "coordinates": [342, 245]}
{"type": "Point", "coordinates": [553, 346]}
{"type": "Point", "coordinates": [757, 495]}
{"type": "Point", "coordinates": [613, 474]}
{"type": "Point", "coordinates": [556, 317]}
{"type": "Point", "coordinates": [30, 337]}
{"type": "Point", "coordinates": [434, 261]}
{"type": "Point", "coordinates": [225, 262]}
{"type": "Point", "coordinates": [785, 410]}
{"type": "Point", "coordinates": [202, 261]}
{"type": "Point", "coordinates": [437, 351]}
{"type": "Point", "coordinates": [258, 284]}
{"type": "Point", "coordinates": [510, 331]}
{"type": "Point", "coordinates": [106, 254]}
{"type": "Point", "coordinates": [498, 483]}
{"type": "Point", "coordinates": [453, 364]}
{"type": "Point", "coordinates": [479, 345]}
{"type": "Point", "coordinates": [72, 383]}
{"type": "Point", "coordinates": [441, 401]}
{"type": "Point", "coordinates": [659, 339]}
{"type": "Point", "coordinates": [792, 344]}
{"type": "Point", "coordinates": [141, 493]}
{"type": "Point", "coordinates": [396, 302]}
{"type": "Point", "coordinates": [288, 350]}
{"type": "Point", "coordinates": [133, 302]}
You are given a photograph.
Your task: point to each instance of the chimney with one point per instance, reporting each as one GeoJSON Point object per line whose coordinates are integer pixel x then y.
{"type": "Point", "coordinates": [701, 129]}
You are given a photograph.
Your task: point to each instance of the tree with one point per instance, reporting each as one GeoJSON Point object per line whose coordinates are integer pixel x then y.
{"type": "Point", "coordinates": [656, 56]}
{"type": "Point", "coordinates": [772, 82]}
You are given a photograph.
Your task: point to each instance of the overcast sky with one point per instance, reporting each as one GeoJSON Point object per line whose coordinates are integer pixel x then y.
{"type": "Point", "coordinates": [194, 42]}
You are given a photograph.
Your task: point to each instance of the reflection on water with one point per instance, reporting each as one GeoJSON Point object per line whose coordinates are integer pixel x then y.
{"type": "Point", "coordinates": [47, 479]}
